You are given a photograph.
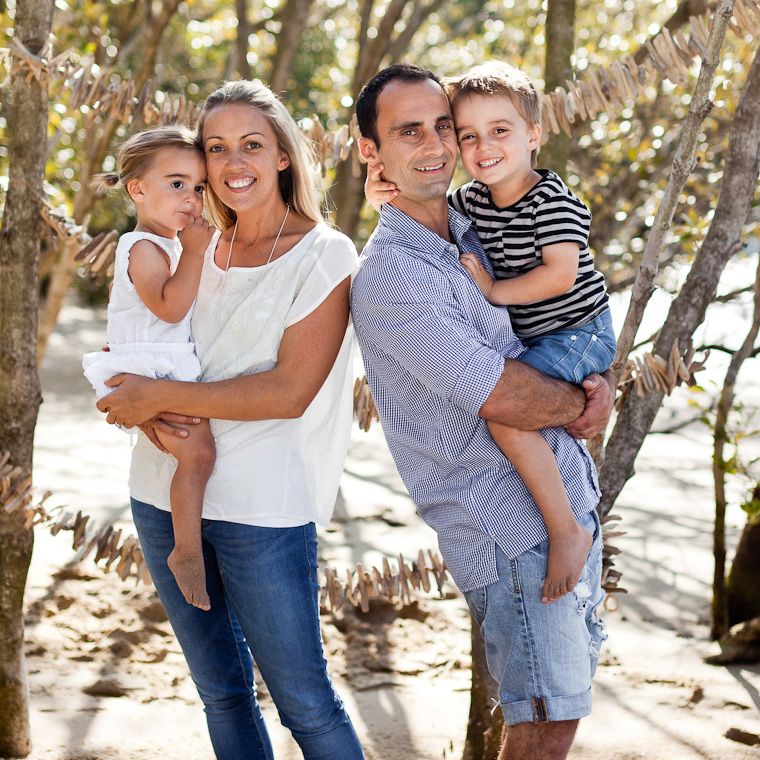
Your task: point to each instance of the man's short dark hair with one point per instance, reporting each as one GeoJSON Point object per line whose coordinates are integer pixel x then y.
{"type": "Point", "coordinates": [366, 103]}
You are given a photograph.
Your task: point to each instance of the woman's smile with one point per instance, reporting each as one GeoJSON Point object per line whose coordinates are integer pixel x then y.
{"type": "Point", "coordinates": [240, 183]}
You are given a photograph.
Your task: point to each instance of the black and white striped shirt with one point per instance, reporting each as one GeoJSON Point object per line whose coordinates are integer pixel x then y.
{"type": "Point", "coordinates": [513, 237]}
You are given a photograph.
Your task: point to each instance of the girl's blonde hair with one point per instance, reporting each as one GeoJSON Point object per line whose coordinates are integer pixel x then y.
{"type": "Point", "coordinates": [497, 78]}
{"type": "Point", "coordinates": [298, 181]}
{"type": "Point", "coordinates": [135, 156]}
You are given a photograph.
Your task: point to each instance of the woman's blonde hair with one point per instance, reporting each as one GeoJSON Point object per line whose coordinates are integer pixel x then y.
{"type": "Point", "coordinates": [298, 181]}
{"type": "Point", "coordinates": [135, 156]}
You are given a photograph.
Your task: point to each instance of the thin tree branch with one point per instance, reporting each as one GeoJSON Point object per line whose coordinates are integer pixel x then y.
{"type": "Point", "coordinates": [680, 18]}
{"type": "Point", "coordinates": [683, 164]}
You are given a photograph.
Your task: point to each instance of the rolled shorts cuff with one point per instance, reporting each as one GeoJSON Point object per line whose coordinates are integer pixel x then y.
{"type": "Point", "coordinates": [571, 707]}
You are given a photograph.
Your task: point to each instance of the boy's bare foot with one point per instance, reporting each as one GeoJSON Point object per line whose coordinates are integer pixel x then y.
{"type": "Point", "coordinates": [567, 556]}
{"type": "Point", "coordinates": [190, 574]}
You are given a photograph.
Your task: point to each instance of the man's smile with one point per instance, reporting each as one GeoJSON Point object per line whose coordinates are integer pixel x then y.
{"type": "Point", "coordinates": [435, 168]}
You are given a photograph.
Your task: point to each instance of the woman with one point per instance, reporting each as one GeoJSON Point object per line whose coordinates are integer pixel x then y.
{"type": "Point", "coordinates": [271, 328]}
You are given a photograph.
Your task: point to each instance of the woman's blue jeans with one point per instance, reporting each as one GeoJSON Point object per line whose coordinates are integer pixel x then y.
{"type": "Point", "coordinates": [263, 587]}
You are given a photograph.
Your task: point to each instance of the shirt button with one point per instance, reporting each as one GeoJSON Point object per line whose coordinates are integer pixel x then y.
{"type": "Point", "coordinates": [453, 249]}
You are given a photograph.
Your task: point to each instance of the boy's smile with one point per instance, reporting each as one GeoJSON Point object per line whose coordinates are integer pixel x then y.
{"type": "Point", "coordinates": [496, 143]}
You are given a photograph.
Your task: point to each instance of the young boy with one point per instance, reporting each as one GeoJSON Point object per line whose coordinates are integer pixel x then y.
{"type": "Point", "coordinates": [535, 233]}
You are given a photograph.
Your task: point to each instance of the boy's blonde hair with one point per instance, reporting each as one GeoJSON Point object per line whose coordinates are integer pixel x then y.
{"type": "Point", "coordinates": [135, 156]}
{"type": "Point", "coordinates": [298, 181]}
{"type": "Point", "coordinates": [497, 78]}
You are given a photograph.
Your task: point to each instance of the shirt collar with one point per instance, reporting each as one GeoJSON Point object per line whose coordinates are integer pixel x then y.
{"type": "Point", "coordinates": [398, 228]}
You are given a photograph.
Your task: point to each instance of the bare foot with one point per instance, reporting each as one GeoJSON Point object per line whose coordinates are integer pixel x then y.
{"type": "Point", "coordinates": [567, 556]}
{"type": "Point", "coordinates": [190, 575]}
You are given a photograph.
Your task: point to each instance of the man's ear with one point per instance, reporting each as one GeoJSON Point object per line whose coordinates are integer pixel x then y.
{"type": "Point", "coordinates": [368, 149]}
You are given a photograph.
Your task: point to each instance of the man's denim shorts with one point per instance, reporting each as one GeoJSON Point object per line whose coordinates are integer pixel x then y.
{"type": "Point", "coordinates": [542, 655]}
{"type": "Point", "coordinates": [573, 354]}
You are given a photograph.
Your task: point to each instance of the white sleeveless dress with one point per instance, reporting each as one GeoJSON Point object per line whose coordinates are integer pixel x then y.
{"type": "Point", "coordinates": [140, 343]}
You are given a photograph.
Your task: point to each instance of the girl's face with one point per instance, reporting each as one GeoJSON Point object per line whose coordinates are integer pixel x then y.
{"type": "Point", "coordinates": [243, 157]}
{"type": "Point", "coordinates": [170, 194]}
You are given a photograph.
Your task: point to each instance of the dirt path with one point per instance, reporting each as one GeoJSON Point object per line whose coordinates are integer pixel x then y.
{"type": "Point", "coordinates": [107, 679]}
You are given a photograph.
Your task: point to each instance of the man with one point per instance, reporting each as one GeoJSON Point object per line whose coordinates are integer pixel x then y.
{"type": "Point", "coordinates": [440, 362]}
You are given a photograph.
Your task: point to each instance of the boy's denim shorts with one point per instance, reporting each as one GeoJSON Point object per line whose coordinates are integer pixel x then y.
{"type": "Point", "coordinates": [573, 354]}
{"type": "Point", "coordinates": [542, 655]}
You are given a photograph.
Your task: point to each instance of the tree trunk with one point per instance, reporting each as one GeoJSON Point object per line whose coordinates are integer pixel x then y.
{"type": "Point", "coordinates": [560, 46]}
{"type": "Point", "coordinates": [347, 194]}
{"type": "Point", "coordinates": [294, 18]}
{"type": "Point", "coordinates": [742, 587]}
{"type": "Point", "coordinates": [152, 29]}
{"type": "Point", "coordinates": [348, 191]}
{"type": "Point", "coordinates": [688, 309]}
{"type": "Point", "coordinates": [720, 623]}
{"type": "Point", "coordinates": [484, 728]}
{"type": "Point", "coordinates": [20, 397]}
{"type": "Point", "coordinates": [241, 40]}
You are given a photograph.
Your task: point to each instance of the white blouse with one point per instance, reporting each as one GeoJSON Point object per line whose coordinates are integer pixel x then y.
{"type": "Point", "coordinates": [268, 472]}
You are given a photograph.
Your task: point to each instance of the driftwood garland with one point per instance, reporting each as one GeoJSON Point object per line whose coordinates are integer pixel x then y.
{"type": "Point", "coordinates": [403, 583]}
{"type": "Point", "coordinates": [92, 87]}
{"type": "Point", "coordinates": [364, 405]}
{"type": "Point", "coordinates": [650, 373]}
{"type": "Point", "coordinates": [607, 89]}
{"type": "Point", "coordinates": [96, 254]}
{"type": "Point", "coordinates": [599, 89]}
{"type": "Point", "coordinates": [16, 493]}
{"type": "Point", "coordinates": [125, 555]}
{"type": "Point", "coordinates": [610, 576]}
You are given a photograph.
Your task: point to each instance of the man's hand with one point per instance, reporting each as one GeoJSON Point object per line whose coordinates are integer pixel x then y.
{"type": "Point", "coordinates": [162, 424]}
{"type": "Point", "coordinates": [600, 400]}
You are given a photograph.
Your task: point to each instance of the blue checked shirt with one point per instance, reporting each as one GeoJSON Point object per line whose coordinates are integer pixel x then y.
{"type": "Point", "coordinates": [433, 350]}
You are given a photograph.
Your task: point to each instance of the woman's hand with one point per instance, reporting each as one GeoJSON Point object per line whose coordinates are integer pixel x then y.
{"type": "Point", "coordinates": [132, 403]}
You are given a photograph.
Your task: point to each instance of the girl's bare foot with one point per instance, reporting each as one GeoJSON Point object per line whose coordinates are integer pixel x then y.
{"type": "Point", "coordinates": [567, 557]}
{"type": "Point", "coordinates": [190, 574]}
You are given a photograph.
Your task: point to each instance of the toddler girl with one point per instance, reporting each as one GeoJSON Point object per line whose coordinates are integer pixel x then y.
{"type": "Point", "coordinates": [156, 276]}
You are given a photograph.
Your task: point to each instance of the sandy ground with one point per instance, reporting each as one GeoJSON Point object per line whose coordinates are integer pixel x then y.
{"type": "Point", "coordinates": [107, 679]}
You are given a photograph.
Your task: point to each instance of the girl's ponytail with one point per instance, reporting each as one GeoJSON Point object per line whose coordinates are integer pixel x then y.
{"type": "Point", "coordinates": [105, 182]}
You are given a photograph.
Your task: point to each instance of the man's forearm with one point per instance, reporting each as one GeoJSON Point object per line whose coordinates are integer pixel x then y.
{"type": "Point", "coordinates": [526, 399]}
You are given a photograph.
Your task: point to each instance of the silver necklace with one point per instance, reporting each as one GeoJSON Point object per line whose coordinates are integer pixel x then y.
{"type": "Point", "coordinates": [229, 257]}
{"type": "Point", "coordinates": [234, 232]}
